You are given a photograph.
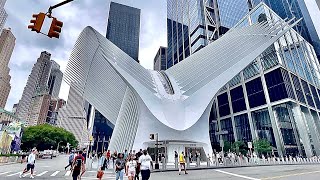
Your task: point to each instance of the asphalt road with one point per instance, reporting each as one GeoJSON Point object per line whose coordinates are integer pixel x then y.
{"type": "Point", "coordinates": [54, 169]}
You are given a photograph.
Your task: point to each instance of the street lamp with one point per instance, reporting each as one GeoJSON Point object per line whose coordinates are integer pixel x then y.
{"type": "Point", "coordinates": [58, 146]}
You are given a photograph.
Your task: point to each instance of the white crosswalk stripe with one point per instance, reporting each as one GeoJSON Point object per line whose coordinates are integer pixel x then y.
{"type": "Point", "coordinates": [13, 174]}
{"type": "Point", "coordinates": [68, 173]}
{"type": "Point", "coordinates": [55, 173]}
{"type": "Point", "coordinates": [44, 172]}
{"type": "Point", "coordinates": [5, 172]}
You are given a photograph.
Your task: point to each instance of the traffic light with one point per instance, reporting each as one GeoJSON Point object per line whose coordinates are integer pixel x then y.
{"type": "Point", "coordinates": [151, 136]}
{"type": "Point", "coordinates": [55, 28]}
{"type": "Point", "coordinates": [37, 23]}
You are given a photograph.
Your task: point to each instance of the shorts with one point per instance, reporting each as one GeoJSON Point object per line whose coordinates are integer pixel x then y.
{"type": "Point", "coordinates": [131, 173]}
{"type": "Point", "coordinates": [30, 166]}
{"type": "Point", "coordinates": [76, 173]}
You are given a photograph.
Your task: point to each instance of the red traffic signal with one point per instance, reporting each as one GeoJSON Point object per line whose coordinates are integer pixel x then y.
{"type": "Point", "coordinates": [37, 23]}
{"type": "Point", "coordinates": [55, 28]}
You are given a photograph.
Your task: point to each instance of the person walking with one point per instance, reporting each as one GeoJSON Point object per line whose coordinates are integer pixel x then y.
{"type": "Point", "coordinates": [137, 156]}
{"type": "Point", "coordinates": [182, 162]}
{"type": "Point", "coordinates": [30, 164]}
{"type": "Point", "coordinates": [120, 165]}
{"type": "Point", "coordinates": [102, 164]}
{"type": "Point", "coordinates": [125, 155]}
{"type": "Point", "coordinates": [131, 167]}
{"type": "Point", "coordinates": [71, 157]}
{"type": "Point", "coordinates": [145, 162]}
{"type": "Point", "coordinates": [78, 166]}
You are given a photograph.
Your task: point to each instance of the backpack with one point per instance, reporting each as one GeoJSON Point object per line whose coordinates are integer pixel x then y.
{"type": "Point", "coordinates": [78, 162]}
{"type": "Point", "coordinates": [71, 157]}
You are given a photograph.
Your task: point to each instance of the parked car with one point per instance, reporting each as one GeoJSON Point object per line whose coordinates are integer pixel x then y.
{"type": "Point", "coordinates": [47, 154]}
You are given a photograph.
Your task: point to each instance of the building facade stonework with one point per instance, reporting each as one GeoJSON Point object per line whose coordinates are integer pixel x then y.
{"type": "Point", "coordinates": [7, 43]}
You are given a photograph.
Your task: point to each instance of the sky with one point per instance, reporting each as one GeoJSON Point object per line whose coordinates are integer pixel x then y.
{"type": "Point", "coordinates": [75, 16]}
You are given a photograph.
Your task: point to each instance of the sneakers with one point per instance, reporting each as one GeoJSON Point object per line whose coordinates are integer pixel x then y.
{"type": "Point", "coordinates": [31, 177]}
{"type": "Point", "coordinates": [20, 175]}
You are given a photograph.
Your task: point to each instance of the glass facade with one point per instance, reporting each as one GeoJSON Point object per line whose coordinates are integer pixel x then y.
{"type": "Point", "coordinates": [190, 24]}
{"type": "Point", "coordinates": [102, 131]}
{"type": "Point", "coordinates": [295, 9]}
{"type": "Point", "coordinates": [124, 28]}
{"type": "Point", "coordinates": [276, 97]}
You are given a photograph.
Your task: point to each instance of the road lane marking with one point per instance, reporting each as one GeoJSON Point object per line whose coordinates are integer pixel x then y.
{"type": "Point", "coordinates": [5, 172]}
{"type": "Point", "coordinates": [237, 175]}
{"type": "Point", "coordinates": [13, 174]}
{"type": "Point", "coordinates": [68, 173]}
{"type": "Point", "coordinates": [55, 173]}
{"type": "Point", "coordinates": [44, 172]}
{"type": "Point", "coordinates": [289, 175]}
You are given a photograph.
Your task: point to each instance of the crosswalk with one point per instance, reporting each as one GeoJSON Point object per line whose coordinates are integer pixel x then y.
{"type": "Point", "coordinates": [55, 174]}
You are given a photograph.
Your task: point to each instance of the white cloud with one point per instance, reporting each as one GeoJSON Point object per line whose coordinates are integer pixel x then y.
{"type": "Point", "coordinates": [76, 16]}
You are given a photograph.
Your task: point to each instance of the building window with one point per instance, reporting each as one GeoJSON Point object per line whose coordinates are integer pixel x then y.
{"type": "Point", "coordinates": [226, 125]}
{"type": "Point", "coordinates": [279, 86]}
{"type": "Point", "coordinates": [243, 128]}
{"type": "Point", "coordinates": [307, 93]}
{"type": "Point", "coordinates": [223, 103]}
{"type": "Point", "coordinates": [255, 93]}
{"type": "Point", "coordinates": [237, 99]}
{"type": "Point", "coordinates": [298, 88]}
{"type": "Point", "coordinates": [262, 124]}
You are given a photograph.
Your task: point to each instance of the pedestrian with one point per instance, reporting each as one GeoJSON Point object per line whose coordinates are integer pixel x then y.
{"type": "Point", "coordinates": [84, 155]}
{"type": "Point", "coordinates": [71, 157]}
{"type": "Point", "coordinates": [137, 156]}
{"type": "Point", "coordinates": [131, 168]}
{"type": "Point", "coordinates": [120, 165]}
{"type": "Point", "coordinates": [78, 166]}
{"type": "Point", "coordinates": [145, 162]}
{"type": "Point", "coordinates": [114, 157]}
{"type": "Point", "coordinates": [182, 162]}
{"type": "Point", "coordinates": [30, 164]}
{"type": "Point", "coordinates": [102, 164]}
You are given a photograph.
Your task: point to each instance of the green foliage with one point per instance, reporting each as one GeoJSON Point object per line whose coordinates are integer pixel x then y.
{"type": "Point", "coordinates": [238, 146]}
{"type": "Point", "coordinates": [262, 146]}
{"type": "Point", "coordinates": [9, 155]}
{"type": "Point", "coordinates": [44, 136]}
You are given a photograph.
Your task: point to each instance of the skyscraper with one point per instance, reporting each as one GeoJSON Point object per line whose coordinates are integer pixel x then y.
{"type": "Point", "coordinates": [3, 14]}
{"type": "Point", "coordinates": [191, 25]}
{"type": "Point", "coordinates": [296, 9]}
{"type": "Point", "coordinates": [160, 60]}
{"type": "Point", "coordinates": [7, 43]}
{"type": "Point", "coordinates": [55, 80]}
{"type": "Point", "coordinates": [124, 28]}
{"type": "Point", "coordinates": [37, 84]}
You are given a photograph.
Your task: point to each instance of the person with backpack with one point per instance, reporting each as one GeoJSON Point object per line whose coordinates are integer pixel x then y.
{"type": "Point", "coordinates": [71, 157]}
{"type": "Point", "coordinates": [78, 166]}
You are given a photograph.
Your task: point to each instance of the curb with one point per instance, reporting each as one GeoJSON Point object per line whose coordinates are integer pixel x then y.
{"type": "Point", "coordinates": [229, 167]}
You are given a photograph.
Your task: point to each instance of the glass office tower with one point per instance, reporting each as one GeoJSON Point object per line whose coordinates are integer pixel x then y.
{"type": "Point", "coordinates": [295, 9]}
{"type": "Point", "coordinates": [192, 24]}
{"type": "Point", "coordinates": [275, 98]}
{"type": "Point", "coordinates": [124, 28]}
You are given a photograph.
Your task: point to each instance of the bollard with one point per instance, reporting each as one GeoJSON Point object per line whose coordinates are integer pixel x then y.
{"type": "Point", "coordinates": [163, 161]}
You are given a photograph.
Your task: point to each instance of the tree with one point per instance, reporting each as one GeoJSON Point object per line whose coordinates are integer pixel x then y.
{"type": "Point", "coordinates": [262, 146]}
{"type": "Point", "coordinates": [46, 136]}
{"type": "Point", "coordinates": [239, 146]}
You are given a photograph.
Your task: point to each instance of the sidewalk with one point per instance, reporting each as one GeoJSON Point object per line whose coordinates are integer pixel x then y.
{"type": "Point", "coordinates": [8, 163]}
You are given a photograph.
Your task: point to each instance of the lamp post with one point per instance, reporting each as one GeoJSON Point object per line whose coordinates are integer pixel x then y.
{"type": "Point", "coordinates": [58, 146]}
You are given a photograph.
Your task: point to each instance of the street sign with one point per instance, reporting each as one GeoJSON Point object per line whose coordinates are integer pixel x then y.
{"type": "Point", "coordinates": [221, 143]}
{"type": "Point", "coordinates": [250, 145]}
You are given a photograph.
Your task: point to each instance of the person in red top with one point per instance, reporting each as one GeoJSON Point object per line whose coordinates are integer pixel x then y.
{"type": "Point", "coordinates": [108, 157]}
{"type": "Point", "coordinates": [78, 166]}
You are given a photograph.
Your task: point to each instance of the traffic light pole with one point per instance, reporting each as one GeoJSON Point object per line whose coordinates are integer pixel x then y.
{"type": "Point", "coordinates": [157, 153]}
{"type": "Point", "coordinates": [57, 5]}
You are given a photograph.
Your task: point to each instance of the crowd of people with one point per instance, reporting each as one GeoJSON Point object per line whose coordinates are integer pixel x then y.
{"type": "Point", "coordinates": [130, 164]}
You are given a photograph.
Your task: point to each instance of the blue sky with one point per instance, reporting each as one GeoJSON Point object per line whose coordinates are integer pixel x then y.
{"type": "Point", "coordinates": [76, 16]}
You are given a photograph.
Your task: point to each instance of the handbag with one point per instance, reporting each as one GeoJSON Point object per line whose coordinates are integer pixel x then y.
{"type": "Point", "coordinates": [100, 174]}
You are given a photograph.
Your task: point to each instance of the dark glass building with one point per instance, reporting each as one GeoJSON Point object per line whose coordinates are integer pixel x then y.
{"type": "Point", "coordinates": [160, 60]}
{"type": "Point", "coordinates": [295, 9]}
{"type": "Point", "coordinates": [191, 25]}
{"type": "Point", "coordinates": [277, 97]}
{"type": "Point", "coordinates": [124, 28]}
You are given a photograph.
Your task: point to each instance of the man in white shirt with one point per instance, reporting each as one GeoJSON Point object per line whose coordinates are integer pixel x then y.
{"type": "Point", "coordinates": [30, 164]}
{"type": "Point", "coordinates": [145, 161]}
